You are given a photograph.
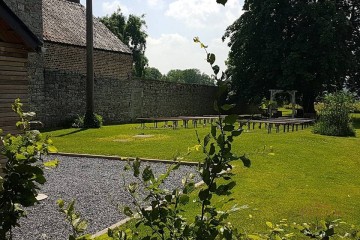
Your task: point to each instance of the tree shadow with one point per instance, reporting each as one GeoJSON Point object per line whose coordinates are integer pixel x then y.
{"type": "Point", "coordinates": [72, 132]}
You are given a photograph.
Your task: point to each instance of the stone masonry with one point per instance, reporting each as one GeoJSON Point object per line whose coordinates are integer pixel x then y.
{"type": "Point", "coordinates": [73, 59]}
{"type": "Point", "coordinates": [123, 100]}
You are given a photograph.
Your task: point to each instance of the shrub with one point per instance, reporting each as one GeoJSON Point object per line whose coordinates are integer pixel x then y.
{"type": "Point", "coordinates": [289, 106]}
{"type": "Point", "coordinates": [357, 107]}
{"type": "Point", "coordinates": [23, 171]}
{"type": "Point", "coordinates": [78, 122]}
{"type": "Point", "coordinates": [334, 116]}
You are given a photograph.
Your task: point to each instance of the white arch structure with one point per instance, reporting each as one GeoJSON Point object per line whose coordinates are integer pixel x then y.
{"type": "Point", "coordinates": [292, 93]}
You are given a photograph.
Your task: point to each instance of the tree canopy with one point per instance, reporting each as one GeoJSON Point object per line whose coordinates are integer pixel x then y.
{"type": "Point", "coordinates": [152, 73]}
{"type": "Point", "coordinates": [131, 31]}
{"type": "Point", "coordinates": [190, 76]}
{"type": "Point", "coordinates": [306, 45]}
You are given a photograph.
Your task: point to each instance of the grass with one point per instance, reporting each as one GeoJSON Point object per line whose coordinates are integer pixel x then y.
{"type": "Point", "coordinates": [306, 177]}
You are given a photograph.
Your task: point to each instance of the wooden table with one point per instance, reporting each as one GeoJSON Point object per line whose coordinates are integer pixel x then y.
{"type": "Point", "coordinates": [294, 123]}
{"type": "Point", "coordinates": [159, 119]}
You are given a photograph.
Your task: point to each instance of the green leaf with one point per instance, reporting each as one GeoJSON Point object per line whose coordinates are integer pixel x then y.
{"type": "Point", "coordinates": [228, 128]}
{"type": "Point", "coordinates": [136, 167]}
{"type": "Point", "coordinates": [213, 130]}
{"type": "Point", "coordinates": [223, 2]}
{"type": "Point", "coordinates": [231, 119]}
{"type": "Point", "coordinates": [40, 179]}
{"type": "Point", "coordinates": [204, 194]}
{"type": "Point", "coordinates": [211, 58]}
{"type": "Point", "coordinates": [212, 149]}
{"type": "Point", "coordinates": [60, 203]}
{"type": "Point", "coordinates": [52, 149]}
{"type": "Point", "coordinates": [184, 199]}
{"type": "Point", "coordinates": [227, 107]}
{"type": "Point", "coordinates": [132, 187]}
{"type": "Point", "coordinates": [147, 174]}
{"type": "Point", "coordinates": [216, 69]}
{"type": "Point", "coordinates": [269, 224]}
{"type": "Point", "coordinates": [20, 157]}
{"type": "Point", "coordinates": [246, 161]}
{"type": "Point", "coordinates": [236, 133]}
{"type": "Point", "coordinates": [168, 198]}
{"type": "Point", "coordinates": [189, 187]}
{"type": "Point", "coordinates": [127, 211]}
{"type": "Point", "coordinates": [206, 140]}
{"type": "Point", "coordinates": [330, 231]}
{"type": "Point", "coordinates": [82, 226]}
{"type": "Point", "coordinates": [52, 164]}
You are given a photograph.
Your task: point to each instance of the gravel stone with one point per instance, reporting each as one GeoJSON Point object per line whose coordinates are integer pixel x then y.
{"type": "Point", "coordinates": [98, 187]}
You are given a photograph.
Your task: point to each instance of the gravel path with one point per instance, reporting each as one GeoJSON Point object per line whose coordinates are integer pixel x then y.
{"type": "Point", "coordinates": [97, 186]}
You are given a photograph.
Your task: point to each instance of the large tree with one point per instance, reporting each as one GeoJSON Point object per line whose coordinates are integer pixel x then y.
{"type": "Point", "coordinates": [290, 44]}
{"type": "Point", "coordinates": [152, 73]}
{"type": "Point", "coordinates": [131, 31]}
{"type": "Point", "coordinates": [190, 76]}
{"type": "Point", "coordinates": [352, 9]}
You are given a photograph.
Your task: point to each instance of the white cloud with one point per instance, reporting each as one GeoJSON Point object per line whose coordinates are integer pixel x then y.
{"type": "Point", "coordinates": [173, 51]}
{"type": "Point", "coordinates": [155, 3]}
{"type": "Point", "coordinates": [204, 13]}
{"type": "Point", "coordinates": [108, 7]}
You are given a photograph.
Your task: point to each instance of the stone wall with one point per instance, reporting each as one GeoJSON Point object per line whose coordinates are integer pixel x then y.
{"type": "Point", "coordinates": [122, 100]}
{"type": "Point", "coordinates": [30, 12]}
{"type": "Point", "coordinates": [73, 59]}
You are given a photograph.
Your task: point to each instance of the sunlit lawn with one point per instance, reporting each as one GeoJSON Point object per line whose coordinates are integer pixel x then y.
{"type": "Point", "coordinates": [308, 177]}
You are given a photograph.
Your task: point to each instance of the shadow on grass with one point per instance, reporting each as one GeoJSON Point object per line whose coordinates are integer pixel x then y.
{"type": "Point", "coordinates": [72, 132]}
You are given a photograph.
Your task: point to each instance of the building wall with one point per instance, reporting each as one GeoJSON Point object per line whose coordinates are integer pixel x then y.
{"type": "Point", "coordinates": [30, 12]}
{"type": "Point", "coordinates": [122, 100]}
{"type": "Point", "coordinates": [73, 59]}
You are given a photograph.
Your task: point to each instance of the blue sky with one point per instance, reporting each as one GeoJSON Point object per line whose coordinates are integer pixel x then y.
{"type": "Point", "coordinates": [171, 26]}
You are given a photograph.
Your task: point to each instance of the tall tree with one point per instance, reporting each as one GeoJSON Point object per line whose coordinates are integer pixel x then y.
{"type": "Point", "coordinates": [152, 73]}
{"type": "Point", "coordinates": [352, 9]}
{"type": "Point", "coordinates": [130, 31]}
{"type": "Point", "coordinates": [190, 76]}
{"type": "Point", "coordinates": [290, 44]}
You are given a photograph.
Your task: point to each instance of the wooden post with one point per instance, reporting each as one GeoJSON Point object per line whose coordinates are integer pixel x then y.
{"type": "Point", "coordinates": [89, 116]}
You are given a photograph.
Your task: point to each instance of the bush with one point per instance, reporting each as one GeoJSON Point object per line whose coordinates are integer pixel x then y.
{"type": "Point", "coordinates": [289, 106]}
{"type": "Point", "coordinates": [23, 170]}
{"type": "Point", "coordinates": [78, 122]}
{"type": "Point", "coordinates": [334, 116]}
{"type": "Point", "coordinates": [357, 107]}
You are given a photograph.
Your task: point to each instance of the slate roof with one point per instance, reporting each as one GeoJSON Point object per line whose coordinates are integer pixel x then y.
{"type": "Point", "coordinates": [65, 22]}
{"type": "Point", "coordinates": [18, 31]}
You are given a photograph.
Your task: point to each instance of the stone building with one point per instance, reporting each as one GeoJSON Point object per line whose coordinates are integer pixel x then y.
{"type": "Point", "coordinates": [61, 25]}
{"type": "Point", "coordinates": [16, 41]}
{"type": "Point", "coordinates": [57, 73]}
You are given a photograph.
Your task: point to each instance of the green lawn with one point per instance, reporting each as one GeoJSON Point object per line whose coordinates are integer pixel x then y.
{"type": "Point", "coordinates": [308, 177]}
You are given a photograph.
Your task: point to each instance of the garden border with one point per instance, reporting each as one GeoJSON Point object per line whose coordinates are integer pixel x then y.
{"type": "Point", "coordinates": [125, 158]}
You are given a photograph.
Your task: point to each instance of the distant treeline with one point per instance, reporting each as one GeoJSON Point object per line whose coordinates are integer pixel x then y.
{"type": "Point", "coordinates": [190, 76]}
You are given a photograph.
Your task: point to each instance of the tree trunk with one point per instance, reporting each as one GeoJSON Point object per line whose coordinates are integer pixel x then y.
{"type": "Point", "coordinates": [308, 103]}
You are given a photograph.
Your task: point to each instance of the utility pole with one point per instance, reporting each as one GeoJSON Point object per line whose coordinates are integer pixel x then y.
{"type": "Point", "coordinates": [89, 120]}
